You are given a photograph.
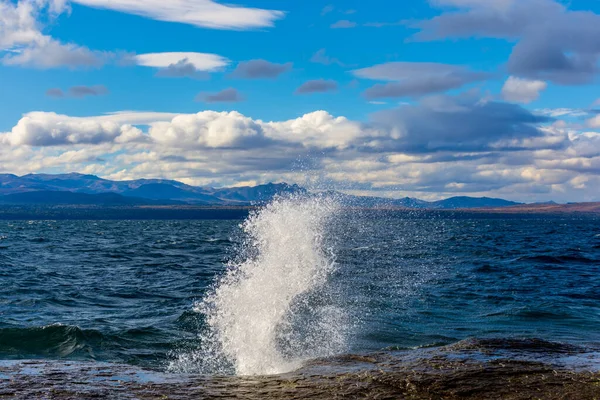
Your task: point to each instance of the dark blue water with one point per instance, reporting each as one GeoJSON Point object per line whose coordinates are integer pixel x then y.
{"type": "Point", "coordinates": [123, 291]}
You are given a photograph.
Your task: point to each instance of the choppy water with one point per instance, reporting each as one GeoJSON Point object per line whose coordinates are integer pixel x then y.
{"type": "Point", "coordinates": [144, 292]}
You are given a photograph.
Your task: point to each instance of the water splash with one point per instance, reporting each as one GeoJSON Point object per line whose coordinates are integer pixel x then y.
{"type": "Point", "coordinates": [270, 312]}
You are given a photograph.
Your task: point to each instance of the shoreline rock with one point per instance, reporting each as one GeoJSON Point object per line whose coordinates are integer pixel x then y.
{"type": "Point", "coordinates": [379, 376]}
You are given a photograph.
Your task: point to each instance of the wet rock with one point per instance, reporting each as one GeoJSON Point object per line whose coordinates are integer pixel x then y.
{"type": "Point", "coordinates": [438, 377]}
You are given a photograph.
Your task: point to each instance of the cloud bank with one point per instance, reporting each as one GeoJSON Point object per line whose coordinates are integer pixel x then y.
{"type": "Point", "coordinates": [424, 149]}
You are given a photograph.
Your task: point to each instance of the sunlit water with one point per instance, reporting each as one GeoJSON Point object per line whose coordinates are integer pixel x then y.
{"type": "Point", "coordinates": [300, 280]}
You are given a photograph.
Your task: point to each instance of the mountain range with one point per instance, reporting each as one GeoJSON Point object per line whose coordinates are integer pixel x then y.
{"type": "Point", "coordinates": [80, 189]}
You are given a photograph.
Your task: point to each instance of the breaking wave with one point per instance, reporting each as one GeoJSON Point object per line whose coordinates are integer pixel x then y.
{"type": "Point", "coordinates": [271, 310]}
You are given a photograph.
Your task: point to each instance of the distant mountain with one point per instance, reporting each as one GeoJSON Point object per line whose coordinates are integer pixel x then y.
{"type": "Point", "coordinates": [471, 202]}
{"type": "Point", "coordinates": [77, 188]}
{"type": "Point", "coordinates": [257, 193]}
{"type": "Point", "coordinates": [378, 202]}
{"type": "Point", "coordinates": [75, 182]}
{"type": "Point", "coordinates": [153, 189]}
{"type": "Point", "coordinates": [165, 191]}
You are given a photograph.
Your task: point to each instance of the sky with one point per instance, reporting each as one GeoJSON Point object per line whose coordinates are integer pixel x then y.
{"type": "Point", "coordinates": [419, 98]}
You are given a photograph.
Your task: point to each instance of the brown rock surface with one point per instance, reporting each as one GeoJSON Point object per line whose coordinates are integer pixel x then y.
{"type": "Point", "coordinates": [374, 377]}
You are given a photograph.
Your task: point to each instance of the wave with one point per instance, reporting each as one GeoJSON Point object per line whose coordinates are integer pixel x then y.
{"type": "Point", "coordinates": [73, 342]}
{"type": "Point", "coordinates": [52, 340]}
{"type": "Point", "coordinates": [268, 313]}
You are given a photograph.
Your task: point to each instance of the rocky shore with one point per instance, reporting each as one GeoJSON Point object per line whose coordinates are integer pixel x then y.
{"type": "Point", "coordinates": [466, 371]}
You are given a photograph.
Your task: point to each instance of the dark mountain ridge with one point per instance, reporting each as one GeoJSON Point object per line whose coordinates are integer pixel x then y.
{"type": "Point", "coordinates": [75, 188]}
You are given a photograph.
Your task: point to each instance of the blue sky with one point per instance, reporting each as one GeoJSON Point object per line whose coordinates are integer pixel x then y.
{"type": "Point", "coordinates": [426, 98]}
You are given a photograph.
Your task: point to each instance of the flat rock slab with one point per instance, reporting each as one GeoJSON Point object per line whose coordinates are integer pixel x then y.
{"type": "Point", "coordinates": [372, 377]}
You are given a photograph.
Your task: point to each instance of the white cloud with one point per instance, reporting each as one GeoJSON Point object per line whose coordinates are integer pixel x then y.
{"type": "Point", "coordinates": [201, 13]}
{"type": "Point", "coordinates": [200, 61]}
{"type": "Point", "coordinates": [18, 25]}
{"type": "Point", "coordinates": [594, 122]}
{"type": "Point", "coordinates": [520, 90]}
{"type": "Point", "coordinates": [225, 148]}
{"type": "Point", "coordinates": [50, 129]}
{"type": "Point", "coordinates": [49, 53]}
{"type": "Point", "coordinates": [207, 129]}
{"type": "Point", "coordinates": [317, 129]}
{"type": "Point", "coordinates": [23, 43]}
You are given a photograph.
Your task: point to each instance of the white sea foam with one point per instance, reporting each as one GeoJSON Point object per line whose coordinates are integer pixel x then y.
{"type": "Point", "coordinates": [269, 312]}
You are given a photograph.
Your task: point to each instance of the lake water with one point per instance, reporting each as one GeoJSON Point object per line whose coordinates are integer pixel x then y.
{"type": "Point", "coordinates": [306, 279]}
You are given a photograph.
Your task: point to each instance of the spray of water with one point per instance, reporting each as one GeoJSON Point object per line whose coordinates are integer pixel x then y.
{"type": "Point", "coordinates": [270, 312]}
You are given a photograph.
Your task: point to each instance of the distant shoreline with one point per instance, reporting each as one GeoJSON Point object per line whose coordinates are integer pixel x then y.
{"type": "Point", "coordinates": [191, 212]}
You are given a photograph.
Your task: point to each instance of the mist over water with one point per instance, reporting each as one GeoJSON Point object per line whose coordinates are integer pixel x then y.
{"type": "Point", "coordinates": [270, 311]}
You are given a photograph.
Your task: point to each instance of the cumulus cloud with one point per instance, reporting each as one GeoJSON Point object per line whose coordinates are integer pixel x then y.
{"type": "Point", "coordinates": [318, 129]}
{"type": "Point", "coordinates": [434, 125]}
{"type": "Point", "coordinates": [317, 86]}
{"type": "Point", "coordinates": [413, 79]}
{"type": "Point", "coordinates": [229, 95]}
{"type": "Point", "coordinates": [553, 43]}
{"type": "Point", "coordinates": [520, 90]}
{"type": "Point", "coordinates": [201, 13]}
{"type": "Point", "coordinates": [260, 69]}
{"type": "Point", "coordinates": [209, 129]}
{"type": "Point", "coordinates": [343, 24]}
{"type": "Point", "coordinates": [51, 129]}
